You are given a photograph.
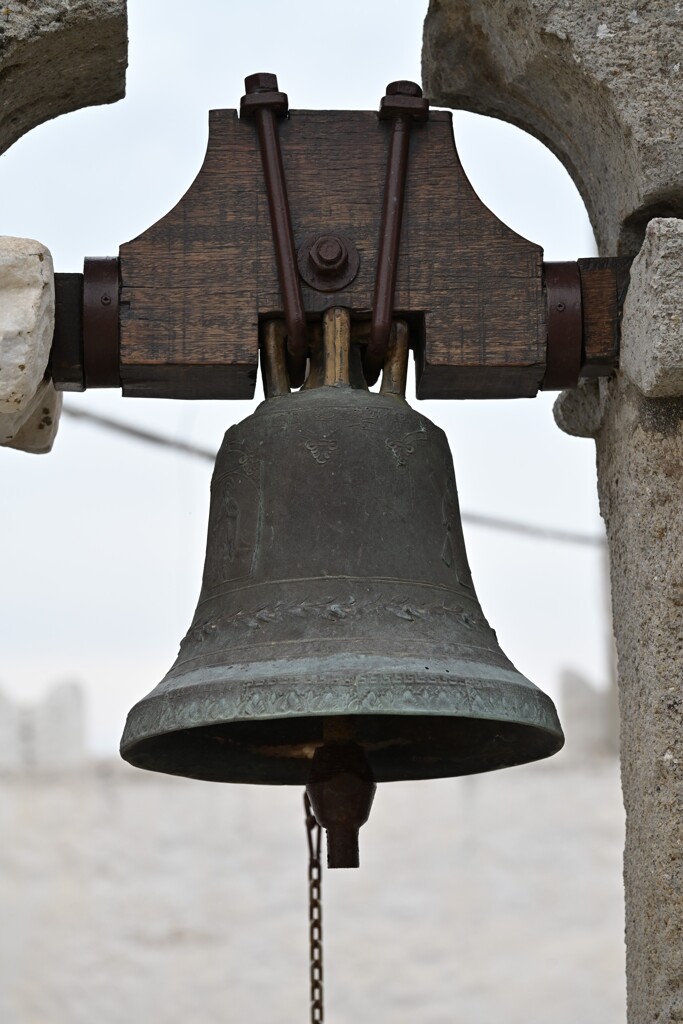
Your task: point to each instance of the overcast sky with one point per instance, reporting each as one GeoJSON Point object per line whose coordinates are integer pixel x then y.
{"type": "Point", "coordinates": [103, 539]}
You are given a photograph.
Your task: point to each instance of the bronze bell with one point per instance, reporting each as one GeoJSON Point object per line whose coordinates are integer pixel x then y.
{"type": "Point", "coordinates": [338, 640]}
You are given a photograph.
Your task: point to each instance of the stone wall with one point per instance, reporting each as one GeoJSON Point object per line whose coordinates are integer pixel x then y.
{"type": "Point", "coordinates": [602, 86]}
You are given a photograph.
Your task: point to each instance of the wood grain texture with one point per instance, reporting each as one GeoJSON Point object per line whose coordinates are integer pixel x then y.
{"type": "Point", "coordinates": [197, 284]}
{"type": "Point", "coordinates": [603, 286]}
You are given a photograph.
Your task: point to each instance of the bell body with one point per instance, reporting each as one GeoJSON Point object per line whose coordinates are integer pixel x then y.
{"type": "Point", "coordinates": [337, 596]}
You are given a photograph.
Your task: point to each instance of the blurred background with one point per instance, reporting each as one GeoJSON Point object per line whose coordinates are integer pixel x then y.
{"type": "Point", "coordinates": [137, 898]}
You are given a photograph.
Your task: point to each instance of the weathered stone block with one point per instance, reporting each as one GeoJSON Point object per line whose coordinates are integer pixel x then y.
{"type": "Point", "coordinates": [35, 428]}
{"type": "Point", "coordinates": [29, 404]}
{"type": "Point", "coordinates": [602, 86]}
{"type": "Point", "coordinates": [579, 412]}
{"type": "Point", "coordinates": [54, 57]}
{"type": "Point", "coordinates": [27, 316]}
{"type": "Point", "coordinates": [599, 84]}
{"type": "Point", "coordinates": [652, 330]}
{"type": "Point", "coordinates": [640, 474]}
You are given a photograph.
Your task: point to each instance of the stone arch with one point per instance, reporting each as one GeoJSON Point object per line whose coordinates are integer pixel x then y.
{"type": "Point", "coordinates": [59, 57]}
{"type": "Point", "coordinates": [595, 83]}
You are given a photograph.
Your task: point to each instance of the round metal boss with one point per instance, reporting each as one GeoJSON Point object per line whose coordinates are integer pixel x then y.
{"type": "Point", "coordinates": [328, 262]}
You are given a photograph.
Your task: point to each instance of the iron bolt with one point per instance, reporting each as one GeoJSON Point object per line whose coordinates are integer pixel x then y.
{"type": "Point", "coordinates": [262, 81]}
{"type": "Point", "coordinates": [404, 89]}
{"type": "Point", "coordinates": [328, 255]}
{"type": "Point", "coordinates": [106, 300]}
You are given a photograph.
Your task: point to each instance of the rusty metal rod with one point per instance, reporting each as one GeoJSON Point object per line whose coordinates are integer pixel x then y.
{"type": "Point", "coordinates": [387, 254]}
{"type": "Point", "coordinates": [403, 104]}
{"type": "Point", "coordinates": [281, 223]}
{"type": "Point", "coordinates": [280, 220]}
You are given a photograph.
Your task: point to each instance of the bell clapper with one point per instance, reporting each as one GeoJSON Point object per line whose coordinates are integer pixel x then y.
{"type": "Point", "coordinates": [341, 789]}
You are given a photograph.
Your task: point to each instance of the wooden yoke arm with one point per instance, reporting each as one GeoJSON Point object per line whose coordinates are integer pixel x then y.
{"type": "Point", "coordinates": [179, 313]}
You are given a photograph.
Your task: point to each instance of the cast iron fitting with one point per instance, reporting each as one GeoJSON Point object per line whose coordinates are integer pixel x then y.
{"type": "Point", "coordinates": [341, 789]}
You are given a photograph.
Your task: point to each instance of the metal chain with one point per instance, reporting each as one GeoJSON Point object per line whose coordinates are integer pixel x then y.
{"type": "Point", "coordinates": [315, 911]}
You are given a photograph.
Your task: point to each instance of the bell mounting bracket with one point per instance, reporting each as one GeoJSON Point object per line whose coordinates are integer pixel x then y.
{"type": "Point", "coordinates": [295, 212]}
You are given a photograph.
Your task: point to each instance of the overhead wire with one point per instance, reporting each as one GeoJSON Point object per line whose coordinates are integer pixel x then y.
{"type": "Point", "coordinates": [548, 533]}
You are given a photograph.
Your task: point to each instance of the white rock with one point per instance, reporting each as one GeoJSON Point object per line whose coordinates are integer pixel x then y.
{"type": "Point", "coordinates": [27, 318]}
{"type": "Point", "coordinates": [29, 405]}
{"type": "Point", "coordinates": [34, 428]}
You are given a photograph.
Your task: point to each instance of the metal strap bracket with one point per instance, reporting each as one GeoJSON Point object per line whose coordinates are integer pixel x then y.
{"type": "Point", "coordinates": [565, 326]}
{"type": "Point", "coordinates": [403, 104]}
{"type": "Point", "coordinates": [264, 102]}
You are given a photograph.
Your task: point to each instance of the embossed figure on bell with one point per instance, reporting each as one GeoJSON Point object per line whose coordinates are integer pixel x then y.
{"type": "Point", "coordinates": [336, 588]}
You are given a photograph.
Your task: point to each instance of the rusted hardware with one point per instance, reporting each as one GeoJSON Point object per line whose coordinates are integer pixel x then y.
{"type": "Point", "coordinates": [341, 790]}
{"type": "Point", "coordinates": [315, 911]}
{"type": "Point", "coordinates": [565, 326]}
{"type": "Point", "coordinates": [101, 322]}
{"type": "Point", "coordinates": [193, 303]}
{"type": "Point", "coordinates": [328, 262]}
{"type": "Point", "coordinates": [403, 104]}
{"type": "Point", "coordinates": [264, 102]}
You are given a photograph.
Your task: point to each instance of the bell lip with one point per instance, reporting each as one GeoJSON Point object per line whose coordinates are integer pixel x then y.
{"type": "Point", "coordinates": [340, 685]}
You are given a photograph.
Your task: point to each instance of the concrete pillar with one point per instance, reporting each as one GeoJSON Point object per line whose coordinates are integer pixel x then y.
{"type": "Point", "coordinates": [602, 86]}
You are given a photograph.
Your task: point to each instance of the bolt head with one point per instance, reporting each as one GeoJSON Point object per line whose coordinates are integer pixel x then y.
{"type": "Point", "coordinates": [404, 89]}
{"type": "Point", "coordinates": [328, 254]}
{"type": "Point", "coordinates": [262, 81]}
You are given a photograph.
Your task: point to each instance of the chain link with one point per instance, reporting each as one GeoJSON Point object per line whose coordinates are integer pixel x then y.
{"type": "Point", "coordinates": [315, 911]}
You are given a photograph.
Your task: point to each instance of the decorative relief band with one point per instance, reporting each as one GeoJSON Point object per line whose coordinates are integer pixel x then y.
{"type": "Point", "coordinates": [336, 694]}
{"type": "Point", "coordinates": [230, 628]}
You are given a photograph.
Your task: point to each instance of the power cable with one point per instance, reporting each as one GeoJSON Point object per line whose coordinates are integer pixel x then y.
{"type": "Point", "coordinates": [473, 518]}
{"type": "Point", "coordinates": [138, 433]}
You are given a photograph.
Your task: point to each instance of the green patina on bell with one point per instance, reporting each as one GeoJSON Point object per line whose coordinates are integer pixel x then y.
{"type": "Point", "coordinates": [337, 604]}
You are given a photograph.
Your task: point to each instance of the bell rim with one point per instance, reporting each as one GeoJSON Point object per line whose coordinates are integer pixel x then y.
{"type": "Point", "coordinates": [343, 685]}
